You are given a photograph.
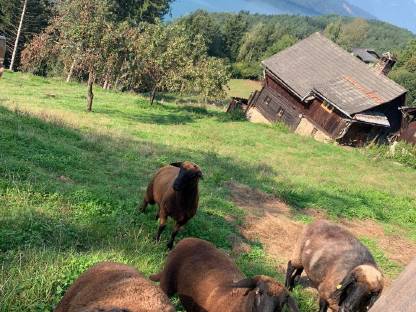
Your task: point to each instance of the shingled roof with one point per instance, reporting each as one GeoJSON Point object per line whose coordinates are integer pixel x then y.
{"type": "Point", "coordinates": [318, 65]}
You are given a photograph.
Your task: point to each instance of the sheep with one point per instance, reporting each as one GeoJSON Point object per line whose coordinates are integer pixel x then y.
{"type": "Point", "coordinates": [113, 287]}
{"type": "Point", "coordinates": [175, 189]}
{"type": "Point", "coordinates": [206, 279]}
{"type": "Point", "coordinates": [339, 266]}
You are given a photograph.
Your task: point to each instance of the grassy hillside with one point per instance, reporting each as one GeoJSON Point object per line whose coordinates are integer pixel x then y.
{"type": "Point", "coordinates": [70, 182]}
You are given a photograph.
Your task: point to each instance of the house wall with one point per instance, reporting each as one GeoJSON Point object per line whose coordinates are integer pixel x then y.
{"type": "Point", "coordinates": [394, 115]}
{"type": "Point", "coordinates": [276, 103]}
{"type": "Point", "coordinates": [278, 106]}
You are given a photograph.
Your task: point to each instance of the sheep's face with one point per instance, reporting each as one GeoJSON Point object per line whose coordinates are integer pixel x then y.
{"type": "Point", "coordinates": [269, 295]}
{"type": "Point", "coordinates": [360, 289]}
{"type": "Point", "coordinates": [189, 173]}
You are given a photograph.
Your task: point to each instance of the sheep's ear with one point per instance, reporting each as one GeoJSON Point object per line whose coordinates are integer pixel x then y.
{"type": "Point", "coordinates": [177, 164]}
{"type": "Point", "coordinates": [340, 291]}
{"type": "Point", "coordinates": [292, 305]}
{"type": "Point", "coordinates": [249, 283]}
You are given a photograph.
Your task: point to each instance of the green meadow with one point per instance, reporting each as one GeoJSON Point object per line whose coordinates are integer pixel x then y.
{"type": "Point", "coordinates": [70, 182]}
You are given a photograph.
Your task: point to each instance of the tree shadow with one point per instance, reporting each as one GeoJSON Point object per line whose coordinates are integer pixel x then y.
{"type": "Point", "coordinates": [162, 114]}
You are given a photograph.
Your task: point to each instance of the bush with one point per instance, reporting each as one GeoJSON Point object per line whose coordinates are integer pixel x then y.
{"type": "Point", "coordinates": [401, 152]}
{"type": "Point", "coordinates": [242, 70]}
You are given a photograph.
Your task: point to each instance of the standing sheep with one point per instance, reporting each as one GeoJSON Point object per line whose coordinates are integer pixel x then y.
{"type": "Point", "coordinates": [339, 266]}
{"type": "Point", "coordinates": [207, 280]}
{"type": "Point", "coordinates": [113, 287]}
{"type": "Point", "coordinates": [175, 189]}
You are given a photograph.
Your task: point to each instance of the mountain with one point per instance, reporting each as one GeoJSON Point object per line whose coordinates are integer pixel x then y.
{"type": "Point", "coordinates": [317, 7]}
{"type": "Point", "coordinates": [398, 12]}
{"type": "Point", "coordinates": [301, 7]}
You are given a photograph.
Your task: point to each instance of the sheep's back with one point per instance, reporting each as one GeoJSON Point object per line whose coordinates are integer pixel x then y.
{"type": "Point", "coordinates": [196, 269]}
{"type": "Point", "coordinates": [111, 285]}
{"type": "Point", "coordinates": [163, 182]}
{"type": "Point", "coordinates": [329, 248]}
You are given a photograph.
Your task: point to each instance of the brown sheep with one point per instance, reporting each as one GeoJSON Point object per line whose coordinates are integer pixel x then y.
{"type": "Point", "coordinates": [206, 279]}
{"type": "Point", "coordinates": [340, 267]}
{"type": "Point", "coordinates": [175, 189]}
{"type": "Point", "coordinates": [113, 287]}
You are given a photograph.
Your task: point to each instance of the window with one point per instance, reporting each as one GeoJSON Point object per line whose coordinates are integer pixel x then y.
{"type": "Point", "coordinates": [267, 100]}
{"type": "Point", "coordinates": [280, 113]}
{"type": "Point", "coordinates": [314, 131]}
{"type": "Point", "coordinates": [326, 106]}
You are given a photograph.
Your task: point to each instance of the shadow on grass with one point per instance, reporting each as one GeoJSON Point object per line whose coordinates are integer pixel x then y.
{"type": "Point", "coordinates": [66, 189]}
{"type": "Point", "coordinates": [98, 180]}
{"type": "Point", "coordinates": [162, 114]}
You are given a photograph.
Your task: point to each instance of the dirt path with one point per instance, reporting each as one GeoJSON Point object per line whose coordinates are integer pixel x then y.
{"type": "Point", "coordinates": [269, 220]}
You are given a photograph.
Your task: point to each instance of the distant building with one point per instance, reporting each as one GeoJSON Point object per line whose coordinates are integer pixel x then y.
{"type": "Point", "coordinates": [319, 89]}
{"type": "Point", "coordinates": [366, 55]}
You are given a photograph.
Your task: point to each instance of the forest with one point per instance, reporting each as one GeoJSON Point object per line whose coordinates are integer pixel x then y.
{"type": "Point", "coordinates": [231, 45]}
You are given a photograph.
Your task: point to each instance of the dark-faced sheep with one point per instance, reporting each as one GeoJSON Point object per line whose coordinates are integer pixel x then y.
{"type": "Point", "coordinates": [206, 279]}
{"type": "Point", "coordinates": [113, 287]}
{"type": "Point", "coordinates": [175, 189]}
{"type": "Point", "coordinates": [340, 267]}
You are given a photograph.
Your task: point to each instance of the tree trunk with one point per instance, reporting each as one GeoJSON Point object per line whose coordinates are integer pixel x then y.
{"type": "Point", "coordinates": [90, 94]}
{"type": "Point", "coordinates": [153, 95]}
{"type": "Point", "coordinates": [19, 31]}
{"type": "Point", "coordinates": [71, 71]}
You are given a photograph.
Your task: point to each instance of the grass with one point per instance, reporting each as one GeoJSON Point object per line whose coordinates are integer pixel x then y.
{"type": "Point", "coordinates": [243, 88]}
{"type": "Point", "coordinates": [70, 182]}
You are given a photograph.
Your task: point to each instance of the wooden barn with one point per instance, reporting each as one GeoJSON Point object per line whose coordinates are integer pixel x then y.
{"type": "Point", "coordinates": [319, 89]}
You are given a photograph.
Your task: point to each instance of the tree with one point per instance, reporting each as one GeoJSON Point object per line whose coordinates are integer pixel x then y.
{"type": "Point", "coordinates": [20, 21]}
{"type": "Point", "coordinates": [202, 23]}
{"type": "Point", "coordinates": [404, 72]}
{"type": "Point", "coordinates": [167, 58]}
{"type": "Point", "coordinates": [137, 11]}
{"type": "Point", "coordinates": [82, 25]}
{"type": "Point", "coordinates": [333, 30]}
{"type": "Point", "coordinates": [354, 34]}
{"type": "Point", "coordinates": [283, 43]}
{"type": "Point", "coordinates": [254, 43]}
{"type": "Point", "coordinates": [235, 27]}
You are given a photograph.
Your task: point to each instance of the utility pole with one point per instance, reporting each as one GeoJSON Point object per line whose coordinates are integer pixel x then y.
{"type": "Point", "coordinates": [18, 35]}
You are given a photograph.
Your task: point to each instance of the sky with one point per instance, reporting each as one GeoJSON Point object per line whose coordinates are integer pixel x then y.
{"type": "Point", "coordinates": [398, 12]}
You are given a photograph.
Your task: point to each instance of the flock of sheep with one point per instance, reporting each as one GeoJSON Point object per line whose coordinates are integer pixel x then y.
{"type": "Point", "coordinates": [207, 279]}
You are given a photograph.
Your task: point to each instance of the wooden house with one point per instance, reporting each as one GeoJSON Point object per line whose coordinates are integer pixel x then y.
{"type": "Point", "coordinates": [319, 89]}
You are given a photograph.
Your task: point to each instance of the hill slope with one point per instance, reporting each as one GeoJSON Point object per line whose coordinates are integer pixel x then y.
{"type": "Point", "coordinates": [70, 182]}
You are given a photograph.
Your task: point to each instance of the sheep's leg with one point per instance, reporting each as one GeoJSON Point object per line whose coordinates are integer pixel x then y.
{"type": "Point", "coordinates": [158, 214]}
{"type": "Point", "coordinates": [323, 305]}
{"type": "Point", "coordinates": [291, 274]}
{"type": "Point", "coordinates": [162, 225]}
{"type": "Point", "coordinates": [172, 237]}
{"type": "Point", "coordinates": [143, 206]}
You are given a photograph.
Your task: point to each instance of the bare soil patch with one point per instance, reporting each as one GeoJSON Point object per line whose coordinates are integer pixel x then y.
{"type": "Point", "coordinates": [269, 220]}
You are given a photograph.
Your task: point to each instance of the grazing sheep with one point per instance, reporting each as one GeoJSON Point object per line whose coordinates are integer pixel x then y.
{"type": "Point", "coordinates": [113, 287]}
{"type": "Point", "coordinates": [339, 266]}
{"type": "Point", "coordinates": [206, 279]}
{"type": "Point", "coordinates": [175, 189]}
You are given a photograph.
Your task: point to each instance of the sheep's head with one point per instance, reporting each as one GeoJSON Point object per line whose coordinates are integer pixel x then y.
{"type": "Point", "coordinates": [360, 289]}
{"type": "Point", "coordinates": [189, 174]}
{"type": "Point", "coordinates": [269, 295]}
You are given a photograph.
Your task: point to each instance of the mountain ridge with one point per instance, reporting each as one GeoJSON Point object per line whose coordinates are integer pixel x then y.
{"type": "Point", "coordinates": [318, 7]}
{"type": "Point", "coordinates": [401, 13]}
